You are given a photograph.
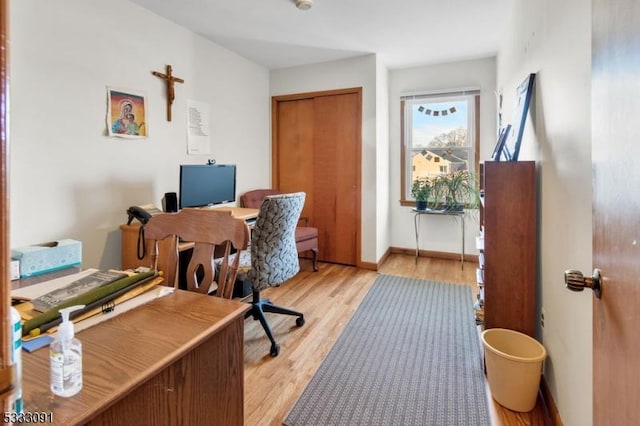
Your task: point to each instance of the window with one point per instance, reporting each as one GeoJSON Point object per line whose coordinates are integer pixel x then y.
{"type": "Point", "coordinates": [439, 135]}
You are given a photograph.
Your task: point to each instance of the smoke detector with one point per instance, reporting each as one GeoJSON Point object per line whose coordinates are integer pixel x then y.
{"type": "Point", "coordinates": [304, 4]}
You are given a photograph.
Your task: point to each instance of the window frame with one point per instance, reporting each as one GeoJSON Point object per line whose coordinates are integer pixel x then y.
{"type": "Point", "coordinates": [405, 127]}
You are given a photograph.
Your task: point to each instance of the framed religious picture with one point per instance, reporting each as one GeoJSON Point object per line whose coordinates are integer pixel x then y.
{"type": "Point", "coordinates": [524, 92]}
{"type": "Point", "coordinates": [126, 113]}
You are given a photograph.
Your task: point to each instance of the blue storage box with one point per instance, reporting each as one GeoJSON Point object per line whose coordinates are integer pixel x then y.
{"type": "Point", "coordinates": [47, 257]}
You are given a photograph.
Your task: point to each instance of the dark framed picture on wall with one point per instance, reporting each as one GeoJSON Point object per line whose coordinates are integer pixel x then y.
{"type": "Point", "coordinates": [497, 151]}
{"type": "Point", "coordinates": [524, 92]}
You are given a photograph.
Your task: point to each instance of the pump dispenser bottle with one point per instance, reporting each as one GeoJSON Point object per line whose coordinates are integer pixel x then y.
{"type": "Point", "coordinates": [16, 359]}
{"type": "Point", "coordinates": [65, 357]}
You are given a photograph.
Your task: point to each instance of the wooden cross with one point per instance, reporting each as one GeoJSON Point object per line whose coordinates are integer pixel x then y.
{"type": "Point", "coordinates": [170, 79]}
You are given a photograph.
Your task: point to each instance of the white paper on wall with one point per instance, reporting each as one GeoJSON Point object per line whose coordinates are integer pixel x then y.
{"type": "Point", "coordinates": [198, 127]}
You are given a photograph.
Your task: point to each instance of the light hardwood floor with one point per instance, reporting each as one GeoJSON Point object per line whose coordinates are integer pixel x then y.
{"type": "Point", "coordinates": [328, 298]}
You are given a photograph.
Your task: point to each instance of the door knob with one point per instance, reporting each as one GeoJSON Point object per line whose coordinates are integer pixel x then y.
{"type": "Point", "coordinates": [576, 281]}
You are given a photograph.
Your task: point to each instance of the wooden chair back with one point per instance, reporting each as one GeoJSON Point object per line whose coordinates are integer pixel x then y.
{"type": "Point", "coordinates": [212, 233]}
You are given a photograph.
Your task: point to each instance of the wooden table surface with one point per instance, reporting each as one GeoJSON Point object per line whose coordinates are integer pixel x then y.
{"type": "Point", "coordinates": [123, 353]}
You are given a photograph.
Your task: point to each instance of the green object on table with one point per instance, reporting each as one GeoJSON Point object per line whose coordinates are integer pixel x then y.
{"type": "Point", "coordinates": [83, 299]}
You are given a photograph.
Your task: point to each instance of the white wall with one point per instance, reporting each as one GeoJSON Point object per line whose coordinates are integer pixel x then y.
{"type": "Point", "coordinates": [69, 180]}
{"type": "Point", "coordinates": [438, 233]}
{"type": "Point", "coordinates": [553, 39]}
{"type": "Point", "coordinates": [354, 72]}
{"type": "Point", "coordinates": [383, 228]}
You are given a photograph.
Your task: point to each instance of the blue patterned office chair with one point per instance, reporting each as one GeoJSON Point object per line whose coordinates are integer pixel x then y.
{"type": "Point", "coordinates": [306, 236]}
{"type": "Point", "coordinates": [273, 258]}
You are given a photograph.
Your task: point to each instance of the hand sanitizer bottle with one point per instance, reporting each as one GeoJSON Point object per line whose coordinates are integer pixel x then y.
{"type": "Point", "coordinates": [65, 356]}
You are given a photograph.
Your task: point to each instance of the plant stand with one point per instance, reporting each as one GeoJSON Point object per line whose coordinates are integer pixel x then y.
{"type": "Point", "coordinates": [456, 214]}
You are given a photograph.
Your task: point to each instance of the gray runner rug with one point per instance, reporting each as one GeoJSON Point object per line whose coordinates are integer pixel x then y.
{"type": "Point", "coordinates": [409, 356]}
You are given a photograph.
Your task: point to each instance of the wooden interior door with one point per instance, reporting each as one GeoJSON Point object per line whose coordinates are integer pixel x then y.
{"type": "Point", "coordinates": [316, 149]}
{"type": "Point", "coordinates": [293, 163]}
{"type": "Point", "coordinates": [616, 209]}
{"type": "Point", "coordinates": [6, 378]}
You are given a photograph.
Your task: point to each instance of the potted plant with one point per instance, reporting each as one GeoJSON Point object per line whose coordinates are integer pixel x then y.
{"type": "Point", "coordinates": [421, 191]}
{"type": "Point", "coordinates": [453, 191]}
{"type": "Point", "coordinates": [440, 192]}
{"type": "Point", "coordinates": [470, 190]}
{"type": "Point", "coordinates": [461, 190]}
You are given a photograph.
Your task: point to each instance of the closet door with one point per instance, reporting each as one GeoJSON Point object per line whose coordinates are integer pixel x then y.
{"type": "Point", "coordinates": [293, 168]}
{"type": "Point", "coordinates": [316, 149]}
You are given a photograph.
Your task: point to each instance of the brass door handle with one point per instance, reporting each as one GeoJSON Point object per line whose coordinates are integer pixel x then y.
{"type": "Point", "coordinates": [576, 281]}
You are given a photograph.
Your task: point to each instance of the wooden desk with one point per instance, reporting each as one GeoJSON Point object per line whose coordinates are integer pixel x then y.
{"type": "Point", "coordinates": [167, 260]}
{"type": "Point", "coordinates": [239, 212]}
{"type": "Point", "coordinates": [176, 360]}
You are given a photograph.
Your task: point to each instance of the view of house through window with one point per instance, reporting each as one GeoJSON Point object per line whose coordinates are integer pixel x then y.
{"type": "Point", "coordinates": [439, 136]}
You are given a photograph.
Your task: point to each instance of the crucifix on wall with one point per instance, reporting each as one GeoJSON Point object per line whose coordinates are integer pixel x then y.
{"type": "Point", "coordinates": [170, 79]}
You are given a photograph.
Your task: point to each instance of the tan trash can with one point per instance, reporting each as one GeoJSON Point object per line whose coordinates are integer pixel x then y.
{"type": "Point", "coordinates": [513, 362]}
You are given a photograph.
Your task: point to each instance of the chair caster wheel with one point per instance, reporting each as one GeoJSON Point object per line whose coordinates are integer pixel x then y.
{"type": "Point", "coordinates": [300, 321]}
{"type": "Point", "coordinates": [275, 350]}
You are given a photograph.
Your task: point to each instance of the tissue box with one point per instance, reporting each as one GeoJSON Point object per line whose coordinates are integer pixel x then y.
{"type": "Point", "coordinates": [47, 257]}
{"type": "Point", "coordinates": [15, 270]}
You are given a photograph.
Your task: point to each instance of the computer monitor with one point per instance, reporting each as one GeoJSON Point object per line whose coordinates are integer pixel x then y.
{"type": "Point", "coordinates": [207, 184]}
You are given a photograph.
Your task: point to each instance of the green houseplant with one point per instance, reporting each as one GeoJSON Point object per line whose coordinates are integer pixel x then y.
{"type": "Point", "coordinates": [453, 191]}
{"type": "Point", "coordinates": [461, 190]}
{"type": "Point", "coordinates": [421, 192]}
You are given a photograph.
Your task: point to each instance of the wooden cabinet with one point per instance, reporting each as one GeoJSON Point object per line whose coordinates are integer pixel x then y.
{"type": "Point", "coordinates": [508, 245]}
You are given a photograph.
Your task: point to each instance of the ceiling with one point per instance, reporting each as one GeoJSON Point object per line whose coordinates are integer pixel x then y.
{"type": "Point", "coordinates": [403, 33]}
